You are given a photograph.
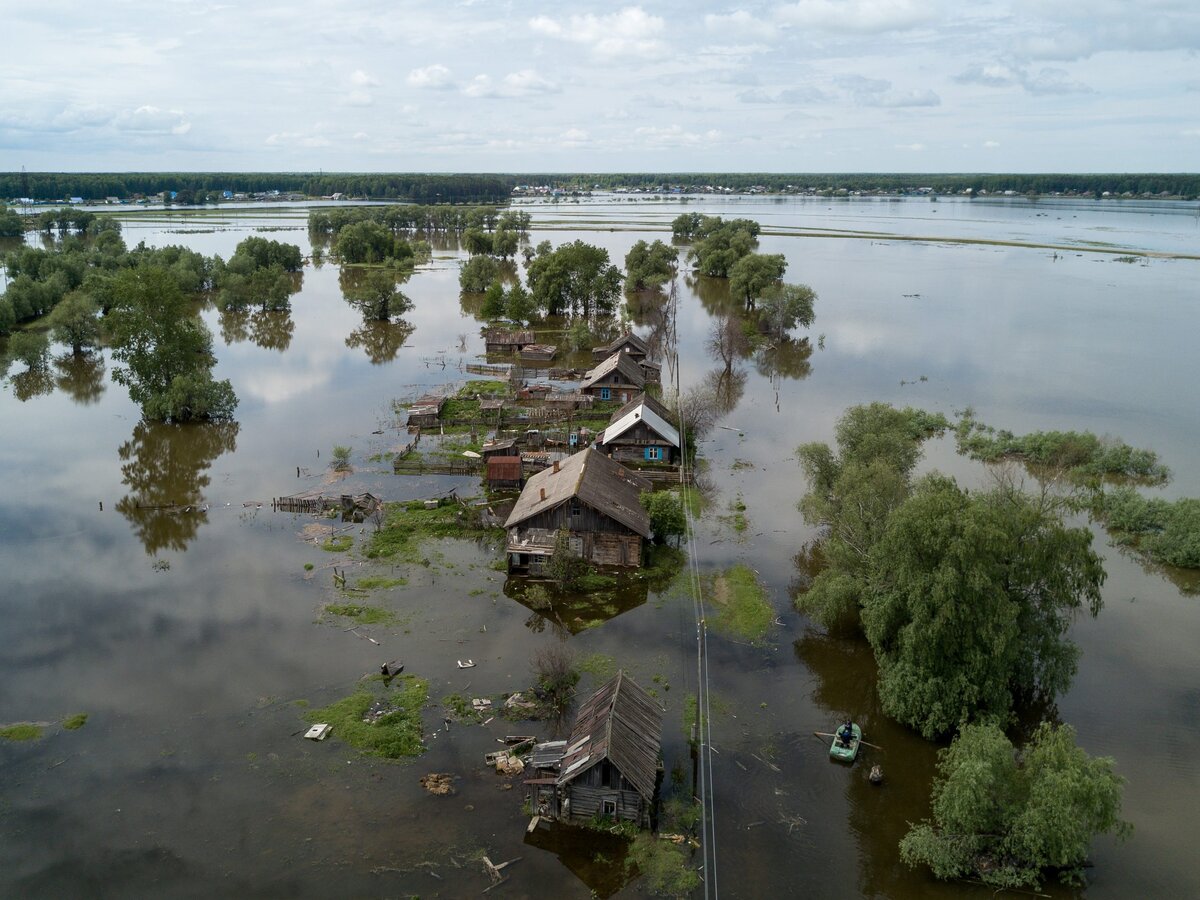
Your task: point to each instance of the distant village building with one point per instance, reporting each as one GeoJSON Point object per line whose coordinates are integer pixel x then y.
{"type": "Point", "coordinates": [641, 431]}
{"type": "Point", "coordinates": [627, 343]}
{"type": "Point", "coordinates": [611, 763]}
{"type": "Point", "coordinates": [594, 499]}
{"type": "Point", "coordinates": [619, 377]}
{"type": "Point", "coordinates": [538, 353]}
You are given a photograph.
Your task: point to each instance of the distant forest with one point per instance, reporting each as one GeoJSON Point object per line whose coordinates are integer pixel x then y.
{"type": "Point", "coordinates": [473, 189]}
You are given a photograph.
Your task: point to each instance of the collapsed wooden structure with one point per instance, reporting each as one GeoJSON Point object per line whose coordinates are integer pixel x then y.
{"type": "Point", "coordinates": [610, 766]}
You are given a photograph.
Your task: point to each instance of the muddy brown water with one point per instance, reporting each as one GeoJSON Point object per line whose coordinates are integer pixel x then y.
{"type": "Point", "coordinates": [193, 639]}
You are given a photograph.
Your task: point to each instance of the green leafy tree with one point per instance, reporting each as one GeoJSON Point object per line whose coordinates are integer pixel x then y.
{"type": "Point", "coordinates": [493, 301]}
{"type": "Point", "coordinates": [478, 273]}
{"type": "Point", "coordinates": [30, 348]}
{"type": "Point", "coordinates": [853, 492]}
{"type": "Point", "coordinates": [1009, 818]}
{"type": "Point", "coordinates": [11, 224]}
{"type": "Point", "coordinates": [576, 279]}
{"type": "Point", "coordinates": [564, 566]}
{"type": "Point", "coordinates": [667, 518]}
{"type": "Point", "coordinates": [75, 321]}
{"type": "Point", "coordinates": [783, 307]}
{"type": "Point", "coordinates": [969, 598]}
{"type": "Point", "coordinates": [477, 242]}
{"type": "Point", "coordinates": [720, 244]}
{"type": "Point", "coordinates": [753, 274]}
{"type": "Point", "coordinates": [505, 243]}
{"type": "Point", "coordinates": [519, 305]}
{"type": "Point", "coordinates": [650, 266]}
{"type": "Point", "coordinates": [365, 242]}
{"type": "Point", "coordinates": [164, 350]}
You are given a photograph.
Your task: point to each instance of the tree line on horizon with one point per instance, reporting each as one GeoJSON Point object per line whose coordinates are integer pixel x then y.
{"type": "Point", "coordinates": [498, 187]}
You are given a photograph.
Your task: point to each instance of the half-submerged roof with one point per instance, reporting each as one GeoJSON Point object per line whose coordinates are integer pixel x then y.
{"type": "Point", "coordinates": [621, 723]}
{"type": "Point", "coordinates": [627, 340]}
{"type": "Point", "coordinates": [623, 363]}
{"type": "Point", "coordinates": [640, 412]}
{"type": "Point", "coordinates": [604, 485]}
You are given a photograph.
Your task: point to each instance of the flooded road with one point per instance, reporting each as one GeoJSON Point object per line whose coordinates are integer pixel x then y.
{"type": "Point", "coordinates": [195, 641]}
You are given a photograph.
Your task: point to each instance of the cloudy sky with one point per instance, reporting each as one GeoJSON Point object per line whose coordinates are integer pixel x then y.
{"type": "Point", "coordinates": [485, 85]}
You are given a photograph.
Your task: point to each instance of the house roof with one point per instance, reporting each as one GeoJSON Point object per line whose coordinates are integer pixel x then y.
{"type": "Point", "coordinates": [499, 336]}
{"type": "Point", "coordinates": [628, 339]}
{"type": "Point", "coordinates": [621, 723]}
{"type": "Point", "coordinates": [619, 362]}
{"type": "Point", "coordinates": [640, 412]}
{"type": "Point", "coordinates": [606, 486]}
{"type": "Point", "coordinates": [651, 402]}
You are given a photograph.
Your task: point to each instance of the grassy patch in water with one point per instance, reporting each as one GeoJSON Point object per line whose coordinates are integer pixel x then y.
{"type": "Point", "coordinates": [339, 544]}
{"type": "Point", "coordinates": [75, 722]}
{"type": "Point", "coordinates": [407, 524]}
{"type": "Point", "coordinates": [741, 603]}
{"type": "Point", "coordinates": [394, 735]}
{"type": "Point", "coordinates": [486, 387]}
{"type": "Point", "coordinates": [600, 666]}
{"type": "Point", "coordinates": [22, 732]}
{"type": "Point", "coordinates": [367, 615]}
{"type": "Point", "coordinates": [1167, 532]}
{"type": "Point", "coordinates": [665, 866]}
{"type": "Point", "coordinates": [460, 708]}
{"type": "Point", "coordinates": [1081, 454]}
{"type": "Point", "coordinates": [379, 582]}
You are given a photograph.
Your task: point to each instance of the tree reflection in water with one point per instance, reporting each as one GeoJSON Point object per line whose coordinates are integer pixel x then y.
{"type": "Point", "coordinates": [80, 376]}
{"type": "Point", "coordinates": [271, 329]}
{"type": "Point", "coordinates": [32, 383]}
{"type": "Point", "coordinates": [380, 340]}
{"type": "Point", "coordinates": [166, 468]}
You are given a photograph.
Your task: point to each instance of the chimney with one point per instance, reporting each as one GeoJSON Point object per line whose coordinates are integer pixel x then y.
{"type": "Point", "coordinates": [556, 465]}
{"type": "Point", "coordinates": [542, 491]}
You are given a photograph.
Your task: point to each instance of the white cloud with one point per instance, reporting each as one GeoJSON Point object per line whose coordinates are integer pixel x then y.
{"type": "Point", "coordinates": [627, 32]}
{"type": "Point", "coordinates": [862, 16]}
{"type": "Point", "coordinates": [362, 79]}
{"type": "Point", "coordinates": [878, 92]}
{"type": "Point", "coordinates": [741, 24]}
{"type": "Point", "coordinates": [991, 145]}
{"type": "Point", "coordinates": [574, 137]}
{"type": "Point", "coordinates": [912, 148]}
{"type": "Point", "coordinates": [480, 86]}
{"type": "Point", "coordinates": [528, 81]}
{"type": "Point", "coordinates": [152, 120]}
{"type": "Point", "coordinates": [1054, 81]}
{"type": "Point", "coordinates": [675, 136]}
{"type": "Point", "coordinates": [435, 77]}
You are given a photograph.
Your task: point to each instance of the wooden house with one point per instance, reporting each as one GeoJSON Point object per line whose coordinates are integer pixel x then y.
{"type": "Point", "coordinates": [609, 766]}
{"type": "Point", "coordinates": [425, 412]}
{"type": "Point", "coordinates": [538, 353]}
{"type": "Point", "coordinates": [640, 432]}
{"type": "Point", "coordinates": [594, 499]}
{"type": "Point", "coordinates": [497, 340]}
{"type": "Point", "coordinates": [652, 372]}
{"type": "Point", "coordinates": [506, 447]}
{"type": "Point", "coordinates": [627, 343]}
{"type": "Point", "coordinates": [617, 378]}
{"type": "Point", "coordinates": [568, 401]}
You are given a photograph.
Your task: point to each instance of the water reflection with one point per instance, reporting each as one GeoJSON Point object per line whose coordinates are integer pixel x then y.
{"type": "Point", "coordinates": [166, 468]}
{"type": "Point", "coordinates": [567, 613]}
{"type": "Point", "coordinates": [380, 340]}
{"type": "Point", "coordinates": [81, 376]}
{"type": "Point", "coordinates": [788, 358]}
{"type": "Point", "coordinates": [271, 329]}
{"type": "Point", "coordinates": [33, 382]}
{"type": "Point", "coordinates": [594, 857]}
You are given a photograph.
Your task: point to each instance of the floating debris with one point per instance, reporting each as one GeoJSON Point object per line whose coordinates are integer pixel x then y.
{"type": "Point", "coordinates": [319, 732]}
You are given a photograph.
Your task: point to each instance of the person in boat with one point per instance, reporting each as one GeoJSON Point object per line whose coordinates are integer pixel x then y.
{"type": "Point", "coordinates": [846, 733]}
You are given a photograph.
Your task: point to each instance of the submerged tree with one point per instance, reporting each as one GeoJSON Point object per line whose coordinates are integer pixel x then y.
{"type": "Point", "coordinates": [576, 279]}
{"type": "Point", "coordinates": [650, 266]}
{"type": "Point", "coordinates": [968, 602]}
{"type": "Point", "coordinates": [1009, 817]}
{"type": "Point", "coordinates": [76, 321]}
{"type": "Point", "coordinates": [377, 296]}
{"type": "Point", "coordinates": [164, 350]}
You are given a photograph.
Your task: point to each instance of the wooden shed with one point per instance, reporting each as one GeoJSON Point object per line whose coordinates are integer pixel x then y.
{"type": "Point", "coordinates": [425, 412]}
{"type": "Point", "coordinates": [652, 372]}
{"type": "Point", "coordinates": [538, 353]}
{"type": "Point", "coordinates": [627, 343]}
{"type": "Point", "coordinates": [641, 431]}
{"type": "Point", "coordinates": [611, 763]}
{"type": "Point", "coordinates": [497, 340]}
{"type": "Point", "coordinates": [617, 378]}
{"type": "Point", "coordinates": [504, 471]}
{"type": "Point", "coordinates": [597, 502]}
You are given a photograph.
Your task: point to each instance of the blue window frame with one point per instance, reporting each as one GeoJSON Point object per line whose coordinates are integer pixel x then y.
{"type": "Point", "coordinates": [654, 453]}
{"type": "Point", "coordinates": [605, 394]}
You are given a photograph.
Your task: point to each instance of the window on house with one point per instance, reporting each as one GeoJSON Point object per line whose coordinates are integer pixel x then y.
{"type": "Point", "coordinates": [608, 807]}
{"type": "Point", "coordinates": [576, 509]}
{"type": "Point", "coordinates": [654, 453]}
{"type": "Point", "coordinates": [605, 393]}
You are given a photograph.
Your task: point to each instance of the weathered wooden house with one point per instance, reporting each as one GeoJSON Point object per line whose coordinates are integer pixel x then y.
{"type": "Point", "coordinates": [652, 372]}
{"type": "Point", "coordinates": [639, 432]}
{"type": "Point", "coordinates": [497, 340]}
{"type": "Point", "coordinates": [594, 499]}
{"type": "Point", "coordinates": [425, 412]}
{"type": "Point", "coordinates": [609, 766]}
{"type": "Point", "coordinates": [538, 353]}
{"type": "Point", "coordinates": [506, 447]}
{"type": "Point", "coordinates": [627, 343]}
{"type": "Point", "coordinates": [568, 401]}
{"type": "Point", "coordinates": [619, 377]}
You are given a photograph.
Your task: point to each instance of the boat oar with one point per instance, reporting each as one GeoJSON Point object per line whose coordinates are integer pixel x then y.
{"type": "Point", "coordinates": [824, 734]}
{"type": "Point", "coordinates": [860, 740]}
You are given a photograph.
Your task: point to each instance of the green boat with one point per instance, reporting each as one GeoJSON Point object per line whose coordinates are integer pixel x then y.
{"type": "Point", "coordinates": [843, 753]}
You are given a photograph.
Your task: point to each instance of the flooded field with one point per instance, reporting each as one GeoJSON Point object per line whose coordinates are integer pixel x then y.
{"type": "Point", "coordinates": [196, 641]}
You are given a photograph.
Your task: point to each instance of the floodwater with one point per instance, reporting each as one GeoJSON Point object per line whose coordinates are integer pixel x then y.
{"type": "Point", "coordinates": [189, 637]}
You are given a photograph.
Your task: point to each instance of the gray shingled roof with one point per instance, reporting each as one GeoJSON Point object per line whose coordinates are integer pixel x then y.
{"type": "Point", "coordinates": [622, 723]}
{"type": "Point", "coordinates": [606, 486]}
{"type": "Point", "coordinates": [623, 363]}
{"type": "Point", "coordinates": [627, 338]}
